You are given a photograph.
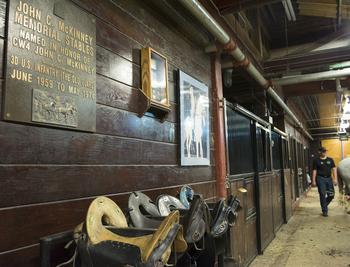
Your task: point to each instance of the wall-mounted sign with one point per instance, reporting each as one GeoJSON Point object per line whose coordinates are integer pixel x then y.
{"type": "Point", "coordinates": [51, 65]}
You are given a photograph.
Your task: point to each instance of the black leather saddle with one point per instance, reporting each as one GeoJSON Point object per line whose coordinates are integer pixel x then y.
{"type": "Point", "coordinates": [218, 241]}
{"type": "Point", "coordinates": [113, 243]}
{"type": "Point", "coordinates": [224, 215]}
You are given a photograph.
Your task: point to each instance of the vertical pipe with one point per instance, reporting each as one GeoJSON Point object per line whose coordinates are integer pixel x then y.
{"type": "Point", "coordinates": [218, 126]}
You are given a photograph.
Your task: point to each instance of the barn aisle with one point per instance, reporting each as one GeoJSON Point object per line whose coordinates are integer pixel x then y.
{"type": "Point", "coordinates": [309, 239]}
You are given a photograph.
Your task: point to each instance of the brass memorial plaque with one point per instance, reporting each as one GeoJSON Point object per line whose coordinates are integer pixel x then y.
{"type": "Point", "coordinates": [51, 65]}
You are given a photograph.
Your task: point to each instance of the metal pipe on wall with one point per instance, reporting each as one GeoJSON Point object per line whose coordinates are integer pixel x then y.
{"type": "Point", "coordinates": [218, 126]}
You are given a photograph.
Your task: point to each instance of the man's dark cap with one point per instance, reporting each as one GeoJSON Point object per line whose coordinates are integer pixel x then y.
{"type": "Point", "coordinates": [322, 149]}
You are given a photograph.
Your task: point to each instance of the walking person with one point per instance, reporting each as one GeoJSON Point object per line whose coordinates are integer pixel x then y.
{"type": "Point", "coordinates": [322, 169]}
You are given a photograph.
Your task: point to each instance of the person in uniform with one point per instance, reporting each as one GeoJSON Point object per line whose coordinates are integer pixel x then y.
{"type": "Point", "coordinates": [322, 169]}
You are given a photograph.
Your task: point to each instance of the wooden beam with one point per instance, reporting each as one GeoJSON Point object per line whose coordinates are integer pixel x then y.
{"type": "Point", "coordinates": [323, 10]}
{"type": "Point", "coordinates": [309, 88]}
{"type": "Point", "coordinates": [308, 47]}
{"type": "Point", "coordinates": [259, 34]}
{"type": "Point", "coordinates": [339, 13]}
{"type": "Point", "coordinates": [304, 61]}
{"type": "Point", "coordinates": [229, 6]}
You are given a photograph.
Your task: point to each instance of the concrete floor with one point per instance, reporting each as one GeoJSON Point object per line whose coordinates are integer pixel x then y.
{"type": "Point", "coordinates": [309, 239]}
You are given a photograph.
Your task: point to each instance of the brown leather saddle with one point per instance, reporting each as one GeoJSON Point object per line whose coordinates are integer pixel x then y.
{"type": "Point", "coordinates": [105, 239]}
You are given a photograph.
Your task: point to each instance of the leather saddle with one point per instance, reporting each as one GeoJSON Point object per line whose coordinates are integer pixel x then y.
{"type": "Point", "coordinates": [195, 221]}
{"type": "Point", "coordinates": [218, 241]}
{"type": "Point", "coordinates": [115, 244]}
{"type": "Point", "coordinates": [142, 211]}
{"type": "Point", "coordinates": [186, 195]}
{"type": "Point", "coordinates": [167, 203]}
{"type": "Point", "coordinates": [223, 216]}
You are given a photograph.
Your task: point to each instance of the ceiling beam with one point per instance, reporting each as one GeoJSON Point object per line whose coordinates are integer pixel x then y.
{"type": "Point", "coordinates": [304, 61]}
{"type": "Point", "coordinates": [323, 9]}
{"type": "Point", "coordinates": [309, 47]}
{"type": "Point", "coordinates": [229, 6]}
{"type": "Point", "coordinates": [310, 88]}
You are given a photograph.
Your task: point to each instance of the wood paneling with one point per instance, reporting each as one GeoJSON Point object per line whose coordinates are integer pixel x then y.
{"type": "Point", "coordinates": [118, 95]}
{"type": "Point", "coordinates": [182, 54]}
{"type": "Point", "coordinates": [2, 51]}
{"type": "Point", "coordinates": [23, 257]}
{"type": "Point", "coordinates": [24, 225]}
{"type": "Point", "coordinates": [34, 185]}
{"type": "Point", "coordinates": [49, 176]}
{"type": "Point", "coordinates": [266, 209]}
{"type": "Point", "coordinates": [112, 39]}
{"type": "Point", "coordinates": [238, 230]}
{"type": "Point", "coordinates": [243, 234]}
{"type": "Point", "coordinates": [277, 199]}
{"type": "Point", "coordinates": [250, 239]}
{"type": "Point", "coordinates": [38, 145]}
{"type": "Point", "coordinates": [250, 197]}
{"type": "Point", "coordinates": [288, 185]}
{"type": "Point", "coordinates": [117, 68]}
{"type": "Point", "coordinates": [123, 123]}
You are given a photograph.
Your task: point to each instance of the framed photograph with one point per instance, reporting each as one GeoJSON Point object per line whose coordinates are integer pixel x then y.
{"type": "Point", "coordinates": [154, 81]}
{"type": "Point", "coordinates": [194, 121]}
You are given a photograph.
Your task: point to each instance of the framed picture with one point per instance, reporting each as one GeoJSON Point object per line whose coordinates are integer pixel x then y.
{"type": "Point", "coordinates": [194, 121]}
{"type": "Point", "coordinates": [154, 81]}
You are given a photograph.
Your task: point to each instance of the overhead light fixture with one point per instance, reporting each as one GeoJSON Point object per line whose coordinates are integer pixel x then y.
{"type": "Point", "coordinates": [341, 65]}
{"type": "Point", "coordinates": [289, 10]}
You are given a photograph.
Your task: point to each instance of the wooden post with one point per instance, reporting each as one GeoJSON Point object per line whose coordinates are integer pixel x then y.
{"type": "Point", "coordinates": [218, 126]}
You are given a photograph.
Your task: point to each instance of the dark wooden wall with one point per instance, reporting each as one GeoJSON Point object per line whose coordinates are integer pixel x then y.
{"type": "Point", "coordinates": [49, 176]}
{"type": "Point", "coordinates": [266, 208]}
{"type": "Point", "coordinates": [288, 196]}
{"type": "Point", "coordinates": [243, 234]}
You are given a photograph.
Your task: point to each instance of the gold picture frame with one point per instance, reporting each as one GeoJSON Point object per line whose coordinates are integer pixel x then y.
{"type": "Point", "coordinates": [155, 91]}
